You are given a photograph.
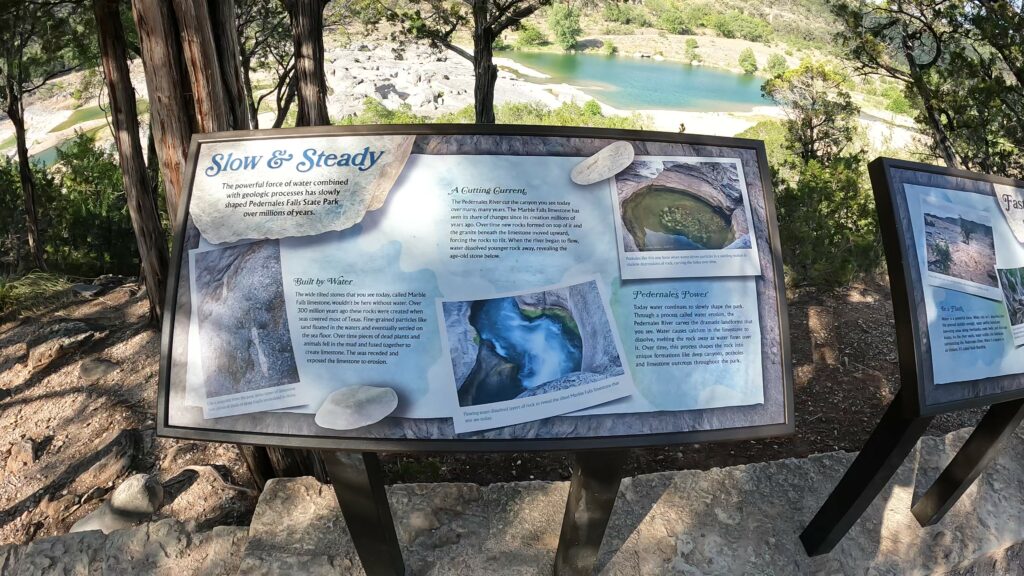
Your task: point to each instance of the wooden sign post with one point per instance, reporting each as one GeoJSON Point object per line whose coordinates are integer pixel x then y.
{"type": "Point", "coordinates": [955, 256]}
{"type": "Point", "coordinates": [454, 288]}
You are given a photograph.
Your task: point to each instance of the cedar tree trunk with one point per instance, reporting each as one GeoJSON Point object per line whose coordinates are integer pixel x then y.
{"type": "Point", "coordinates": [16, 113]}
{"type": "Point", "coordinates": [170, 119]}
{"type": "Point", "coordinates": [307, 18]}
{"type": "Point", "coordinates": [125, 119]}
{"type": "Point", "coordinates": [213, 114]}
{"type": "Point", "coordinates": [225, 36]}
{"type": "Point", "coordinates": [485, 73]}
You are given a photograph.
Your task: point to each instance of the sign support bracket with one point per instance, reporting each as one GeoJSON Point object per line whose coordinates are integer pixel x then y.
{"type": "Point", "coordinates": [980, 449]}
{"type": "Point", "coordinates": [886, 448]}
{"type": "Point", "coordinates": [359, 486]}
{"type": "Point", "coordinates": [595, 483]}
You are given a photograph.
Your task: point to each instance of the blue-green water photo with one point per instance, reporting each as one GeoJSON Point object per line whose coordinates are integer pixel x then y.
{"type": "Point", "coordinates": [644, 84]}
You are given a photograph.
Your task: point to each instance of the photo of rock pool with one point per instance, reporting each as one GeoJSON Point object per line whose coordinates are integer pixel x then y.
{"type": "Point", "coordinates": [671, 205]}
{"type": "Point", "coordinates": [530, 344]}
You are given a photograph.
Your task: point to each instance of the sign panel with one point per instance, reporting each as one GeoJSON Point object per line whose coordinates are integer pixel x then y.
{"type": "Point", "coordinates": [450, 287]}
{"type": "Point", "coordinates": [956, 263]}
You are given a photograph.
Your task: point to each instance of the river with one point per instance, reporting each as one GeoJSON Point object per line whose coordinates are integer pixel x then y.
{"type": "Point", "coordinates": [645, 84]}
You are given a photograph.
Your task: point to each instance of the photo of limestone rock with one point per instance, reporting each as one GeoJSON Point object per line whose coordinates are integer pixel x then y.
{"type": "Point", "coordinates": [246, 345]}
{"type": "Point", "coordinates": [960, 247]}
{"type": "Point", "coordinates": [672, 205]}
{"type": "Point", "coordinates": [1011, 280]}
{"type": "Point", "coordinates": [530, 344]}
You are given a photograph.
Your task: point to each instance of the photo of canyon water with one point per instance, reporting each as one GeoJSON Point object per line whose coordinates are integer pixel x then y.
{"type": "Point", "coordinates": [242, 319]}
{"type": "Point", "coordinates": [530, 344]}
{"type": "Point", "coordinates": [672, 205]}
{"type": "Point", "coordinates": [959, 247]}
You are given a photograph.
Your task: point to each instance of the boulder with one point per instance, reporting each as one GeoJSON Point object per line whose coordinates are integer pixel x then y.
{"type": "Point", "coordinates": [141, 494]}
{"type": "Point", "coordinates": [23, 453]}
{"type": "Point", "coordinates": [91, 370]}
{"type": "Point", "coordinates": [105, 519]}
{"type": "Point", "coordinates": [87, 290]}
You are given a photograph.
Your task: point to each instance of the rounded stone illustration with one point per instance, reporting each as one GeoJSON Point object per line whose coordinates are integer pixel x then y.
{"type": "Point", "coordinates": [608, 162]}
{"type": "Point", "coordinates": [355, 407]}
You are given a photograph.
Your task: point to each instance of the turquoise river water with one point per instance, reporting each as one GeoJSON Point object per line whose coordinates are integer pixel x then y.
{"type": "Point", "coordinates": [644, 84]}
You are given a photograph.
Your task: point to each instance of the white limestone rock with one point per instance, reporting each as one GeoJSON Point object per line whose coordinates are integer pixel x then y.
{"type": "Point", "coordinates": [611, 160]}
{"type": "Point", "coordinates": [355, 407]}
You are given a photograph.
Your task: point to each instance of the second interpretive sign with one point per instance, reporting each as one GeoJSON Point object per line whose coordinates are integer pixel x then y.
{"type": "Point", "coordinates": [452, 288]}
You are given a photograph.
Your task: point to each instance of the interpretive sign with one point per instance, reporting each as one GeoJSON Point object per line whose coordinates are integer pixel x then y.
{"type": "Point", "coordinates": [953, 245]}
{"type": "Point", "coordinates": [452, 288]}
{"type": "Point", "coordinates": [956, 260]}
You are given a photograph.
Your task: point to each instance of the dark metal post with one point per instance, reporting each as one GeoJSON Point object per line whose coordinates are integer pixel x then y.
{"type": "Point", "coordinates": [970, 461]}
{"type": "Point", "coordinates": [359, 486]}
{"type": "Point", "coordinates": [886, 448]}
{"type": "Point", "coordinates": [592, 491]}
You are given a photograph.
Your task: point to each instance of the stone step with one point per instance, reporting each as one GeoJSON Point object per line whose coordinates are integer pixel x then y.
{"type": "Point", "coordinates": [164, 548]}
{"type": "Point", "coordinates": [738, 520]}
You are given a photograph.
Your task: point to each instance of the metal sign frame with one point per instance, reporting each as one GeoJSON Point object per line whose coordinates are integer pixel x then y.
{"type": "Point", "coordinates": [475, 445]}
{"type": "Point", "coordinates": [911, 343]}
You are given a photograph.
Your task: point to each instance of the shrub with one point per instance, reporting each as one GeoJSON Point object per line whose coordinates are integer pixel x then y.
{"type": "Point", "coordinates": [735, 24]}
{"type": "Point", "coordinates": [625, 14]}
{"type": "Point", "coordinates": [776, 65]}
{"type": "Point", "coordinates": [530, 36]}
{"type": "Point", "coordinates": [691, 54]}
{"type": "Point", "coordinates": [565, 24]}
{"type": "Point", "coordinates": [89, 231]}
{"type": "Point", "coordinates": [31, 291]}
{"type": "Point", "coordinates": [747, 61]}
{"type": "Point", "coordinates": [609, 47]}
{"type": "Point", "coordinates": [827, 223]}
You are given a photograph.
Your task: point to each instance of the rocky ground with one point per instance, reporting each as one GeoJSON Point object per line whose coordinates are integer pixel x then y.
{"type": "Point", "coordinates": [77, 401]}
{"type": "Point", "coordinates": [78, 395]}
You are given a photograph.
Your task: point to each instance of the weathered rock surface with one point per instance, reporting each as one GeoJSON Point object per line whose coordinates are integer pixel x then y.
{"type": "Point", "coordinates": [140, 494]}
{"type": "Point", "coordinates": [22, 454]}
{"type": "Point", "coordinates": [242, 320]}
{"type": "Point", "coordinates": [600, 355]}
{"type": "Point", "coordinates": [59, 340]}
{"type": "Point", "coordinates": [87, 290]}
{"type": "Point", "coordinates": [92, 370]}
{"type": "Point", "coordinates": [356, 406]}
{"type": "Point", "coordinates": [739, 520]}
{"type": "Point", "coordinates": [165, 548]}
{"type": "Point", "coordinates": [461, 339]}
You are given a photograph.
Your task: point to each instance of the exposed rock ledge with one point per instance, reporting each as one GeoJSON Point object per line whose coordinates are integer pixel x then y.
{"type": "Point", "coordinates": [738, 520]}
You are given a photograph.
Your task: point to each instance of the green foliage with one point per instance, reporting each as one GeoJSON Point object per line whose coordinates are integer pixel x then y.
{"type": "Point", "coordinates": [775, 137]}
{"type": "Point", "coordinates": [375, 112]}
{"type": "Point", "coordinates": [530, 36]}
{"type": "Point", "coordinates": [609, 47]}
{"type": "Point", "coordinates": [960, 68]}
{"type": "Point", "coordinates": [735, 24]}
{"type": "Point", "coordinates": [568, 114]}
{"type": "Point", "coordinates": [966, 230]}
{"type": "Point", "coordinates": [32, 291]}
{"type": "Point", "coordinates": [621, 13]}
{"type": "Point", "coordinates": [827, 223]}
{"type": "Point", "coordinates": [89, 230]}
{"type": "Point", "coordinates": [564, 21]}
{"type": "Point", "coordinates": [747, 61]}
{"type": "Point", "coordinates": [691, 54]}
{"type": "Point", "coordinates": [943, 257]}
{"type": "Point", "coordinates": [776, 65]}
{"type": "Point", "coordinates": [821, 116]}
